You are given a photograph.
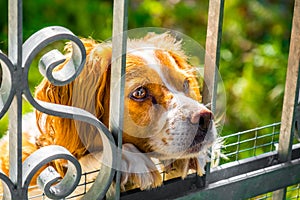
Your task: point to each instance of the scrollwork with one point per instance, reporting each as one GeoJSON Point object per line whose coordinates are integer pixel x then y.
{"type": "Point", "coordinates": [53, 185]}
{"type": "Point", "coordinates": [49, 61]}
{"type": "Point", "coordinates": [48, 177]}
{"type": "Point", "coordinates": [8, 186]}
{"type": "Point", "coordinates": [63, 76]}
{"type": "Point", "coordinates": [107, 170]}
{"type": "Point", "coordinates": [6, 91]}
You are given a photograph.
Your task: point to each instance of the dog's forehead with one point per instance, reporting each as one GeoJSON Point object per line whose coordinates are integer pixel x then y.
{"type": "Point", "coordinates": [161, 66]}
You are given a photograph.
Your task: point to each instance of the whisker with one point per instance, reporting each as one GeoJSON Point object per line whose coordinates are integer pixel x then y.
{"type": "Point", "coordinates": [208, 105]}
{"type": "Point", "coordinates": [220, 118]}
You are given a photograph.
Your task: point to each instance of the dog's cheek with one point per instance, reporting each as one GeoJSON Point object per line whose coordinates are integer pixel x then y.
{"type": "Point", "coordinates": [138, 112]}
{"type": "Point", "coordinates": [137, 119]}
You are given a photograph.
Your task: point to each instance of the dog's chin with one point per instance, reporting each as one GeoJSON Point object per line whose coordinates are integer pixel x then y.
{"type": "Point", "coordinates": [202, 142]}
{"type": "Point", "coordinates": [193, 151]}
{"type": "Point", "coordinates": [199, 146]}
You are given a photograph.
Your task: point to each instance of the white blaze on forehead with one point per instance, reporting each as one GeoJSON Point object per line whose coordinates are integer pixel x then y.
{"type": "Point", "coordinates": [149, 56]}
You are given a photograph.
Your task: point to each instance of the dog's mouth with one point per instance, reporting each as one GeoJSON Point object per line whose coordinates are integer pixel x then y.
{"type": "Point", "coordinates": [197, 142]}
{"type": "Point", "coordinates": [203, 138]}
{"type": "Point", "coordinates": [199, 137]}
{"type": "Point", "coordinates": [202, 131]}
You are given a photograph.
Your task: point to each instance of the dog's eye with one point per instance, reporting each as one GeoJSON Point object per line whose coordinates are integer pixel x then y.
{"type": "Point", "coordinates": [186, 86]}
{"type": "Point", "coordinates": [139, 94]}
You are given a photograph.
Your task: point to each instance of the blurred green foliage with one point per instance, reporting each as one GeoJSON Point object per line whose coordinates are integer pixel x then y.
{"type": "Point", "coordinates": [254, 50]}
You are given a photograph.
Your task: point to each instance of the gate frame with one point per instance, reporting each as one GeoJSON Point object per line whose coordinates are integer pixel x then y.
{"type": "Point", "coordinates": [276, 170]}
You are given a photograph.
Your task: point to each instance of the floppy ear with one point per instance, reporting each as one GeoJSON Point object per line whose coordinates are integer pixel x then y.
{"type": "Point", "coordinates": [195, 82]}
{"type": "Point", "coordinates": [89, 91]}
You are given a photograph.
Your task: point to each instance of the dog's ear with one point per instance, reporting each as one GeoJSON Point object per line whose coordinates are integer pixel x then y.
{"type": "Point", "coordinates": [192, 77]}
{"type": "Point", "coordinates": [89, 91]}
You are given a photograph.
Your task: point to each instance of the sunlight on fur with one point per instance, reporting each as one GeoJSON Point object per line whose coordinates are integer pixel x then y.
{"type": "Point", "coordinates": [166, 127]}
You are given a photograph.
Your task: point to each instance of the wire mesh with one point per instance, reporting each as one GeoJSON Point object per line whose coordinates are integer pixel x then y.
{"type": "Point", "coordinates": [87, 180]}
{"type": "Point", "coordinates": [293, 193]}
{"type": "Point", "coordinates": [250, 143]}
{"type": "Point", "coordinates": [237, 146]}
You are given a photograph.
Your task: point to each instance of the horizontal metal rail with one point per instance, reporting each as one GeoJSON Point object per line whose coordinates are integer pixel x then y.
{"type": "Point", "coordinates": [236, 180]}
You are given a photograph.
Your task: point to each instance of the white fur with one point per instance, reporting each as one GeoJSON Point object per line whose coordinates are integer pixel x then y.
{"type": "Point", "coordinates": [181, 131]}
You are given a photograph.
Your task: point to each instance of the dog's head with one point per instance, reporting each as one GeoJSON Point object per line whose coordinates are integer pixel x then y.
{"type": "Point", "coordinates": [163, 114]}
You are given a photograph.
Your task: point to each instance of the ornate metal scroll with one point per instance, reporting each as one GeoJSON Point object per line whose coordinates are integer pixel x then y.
{"type": "Point", "coordinates": [49, 176]}
{"type": "Point", "coordinates": [15, 69]}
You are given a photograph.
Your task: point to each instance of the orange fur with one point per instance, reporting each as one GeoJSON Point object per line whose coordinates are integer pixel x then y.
{"type": "Point", "coordinates": [27, 148]}
{"type": "Point", "coordinates": [90, 95]}
{"type": "Point", "coordinates": [90, 91]}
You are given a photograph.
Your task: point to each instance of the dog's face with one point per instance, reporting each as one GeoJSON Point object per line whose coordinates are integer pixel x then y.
{"type": "Point", "coordinates": [163, 114]}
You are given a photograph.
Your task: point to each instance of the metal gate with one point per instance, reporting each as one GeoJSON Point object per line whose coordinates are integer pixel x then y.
{"type": "Point", "coordinates": [240, 179]}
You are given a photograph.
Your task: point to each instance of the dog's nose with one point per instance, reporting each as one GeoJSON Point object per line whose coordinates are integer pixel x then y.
{"type": "Point", "coordinates": [202, 118]}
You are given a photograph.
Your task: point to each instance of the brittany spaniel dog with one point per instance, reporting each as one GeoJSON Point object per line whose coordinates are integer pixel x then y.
{"type": "Point", "coordinates": [164, 119]}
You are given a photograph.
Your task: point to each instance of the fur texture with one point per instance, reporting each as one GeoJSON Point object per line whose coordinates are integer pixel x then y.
{"type": "Point", "coordinates": [164, 119]}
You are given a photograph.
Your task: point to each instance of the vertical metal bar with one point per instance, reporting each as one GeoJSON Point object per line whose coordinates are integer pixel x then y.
{"type": "Point", "coordinates": [291, 96]}
{"type": "Point", "coordinates": [291, 89]}
{"type": "Point", "coordinates": [255, 143]}
{"type": "Point", "coordinates": [119, 42]}
{"type": "Point", "coordinates": [15, 41]}
{"type": "Point", "coordinates": [212, 56]}
{"type": "Point", "coordinates": [238, 148]}
{"type": "Point", "coordinates": [272, 139]}
{"type": "Point", "coordinates": [212, 48]}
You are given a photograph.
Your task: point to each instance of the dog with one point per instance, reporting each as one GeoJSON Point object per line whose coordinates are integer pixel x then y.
{"type": "Point", "coordinates": [164, 119]}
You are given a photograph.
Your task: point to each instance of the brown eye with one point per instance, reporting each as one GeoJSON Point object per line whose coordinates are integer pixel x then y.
{"type": "Point", "coordinates": [186, 86]}
{"type": "Point", "coordinates": [139, 94]}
